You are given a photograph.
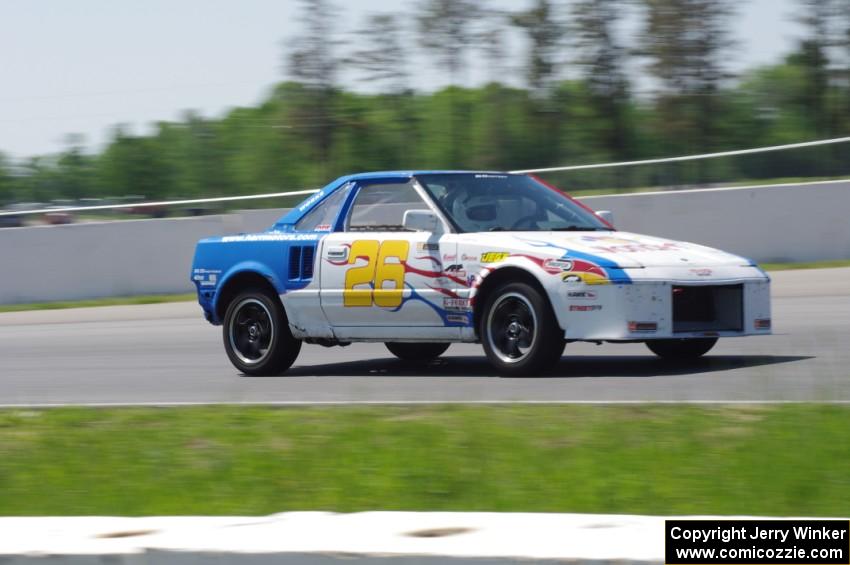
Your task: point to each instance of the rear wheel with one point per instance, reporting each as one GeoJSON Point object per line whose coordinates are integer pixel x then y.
{"type": "Point", "coordinates": [256, 334]}
{"type": "Point", "coordinates": [519, 332]}
{"type": "Point", "coordinates": [417, 351]}
{"type": "Point", "coordinates": [681, 349]}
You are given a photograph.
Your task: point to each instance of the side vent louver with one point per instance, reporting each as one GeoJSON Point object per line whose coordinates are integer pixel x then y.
{"type": "Point", "coordinates": [307, 262]}
{"type": "Point", "coordinates": [301, 262]}
{"type": "Point", "coordinates": [295, 263]}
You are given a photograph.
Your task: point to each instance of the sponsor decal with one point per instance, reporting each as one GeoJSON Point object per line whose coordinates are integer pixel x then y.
{"type": "Point", "coordinates": [447, 257]}
{"type": "Point", "coordinates": [584, 277]}
{"type": "Point", "coordinates": [461, 304]}
{"type": "Point", "coordinates": [466, 257]}
{"type": "Point", "coordinates": [613, 244]}
{"type": "Point", "coordinates": [494, 256]}
{"type": "Point", "coordinates": [310, 201]}
{"type": "Point", "coordinates": [483, 176]}
{"type": "Point", "coordinates": [426, 246]}
{"type": "Point", "coordinates": [456, 270]}
{"type": "Point", "coordinates": [609, 239]}
{"type": "Point", "coordinates": [457, 318]}
{"type": "Point", "coordinates": [555, 266]}
{"type": "Point", "coordinates": [270, 237]}
{"type": "Point", "coordinates": [638, 247]}
{"type": "Point", "coordinates": [206, 277]}
{"type": "Point", "coordinates": [323, 227]}
{"type": "Point", "coordinates": [585, 308]}
{"type": "Point", "coordinates": [701, 272]}
{"type": "Point", "coordinates": [581, 295]}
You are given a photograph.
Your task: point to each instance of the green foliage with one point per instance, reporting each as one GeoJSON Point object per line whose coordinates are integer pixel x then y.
{"type": "Point", "coordinates": [273, 147]}
{"type": "Point", "coordinates": [309, 130]}
{"type": "Point", "coordinates": [6, 181]}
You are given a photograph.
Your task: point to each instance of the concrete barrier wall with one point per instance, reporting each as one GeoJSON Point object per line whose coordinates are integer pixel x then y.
{"type": "Point", "coordinates": [783, 223]}
{"type": "Point", "coordinates": [93, 260]}
{"type": "Point", "coordinates": [49, 263]}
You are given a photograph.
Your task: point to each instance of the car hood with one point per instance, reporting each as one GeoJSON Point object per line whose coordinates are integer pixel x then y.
{"type": "Point", "coordinates": [627, 250]}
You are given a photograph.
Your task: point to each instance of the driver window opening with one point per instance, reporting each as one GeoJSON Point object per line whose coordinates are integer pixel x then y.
{"type": "Point", "coordinates": [381, 207]}
{"type": "Point", "coordinates": [323, 216]}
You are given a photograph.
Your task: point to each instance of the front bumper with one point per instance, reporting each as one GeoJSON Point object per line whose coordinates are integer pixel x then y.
{"type": "Point", "coordinates": [645, 310]}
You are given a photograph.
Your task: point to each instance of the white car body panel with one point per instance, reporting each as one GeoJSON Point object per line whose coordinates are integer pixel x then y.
{"type": "Point", "coordinates": [597, 283]}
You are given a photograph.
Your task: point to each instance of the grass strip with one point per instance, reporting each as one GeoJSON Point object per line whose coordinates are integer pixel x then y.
{"type": "Point", "coordinates": [810, 265]}
{"type": "Point", "coordinates": [774, 460]}
{"type": "Point", "coordinates": [96, 302]}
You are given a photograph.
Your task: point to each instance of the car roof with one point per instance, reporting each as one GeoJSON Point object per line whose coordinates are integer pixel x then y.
{"type": "Point", "coordinates": [308, 204]}
{"type": "Point", "coordinates": [411, 173]}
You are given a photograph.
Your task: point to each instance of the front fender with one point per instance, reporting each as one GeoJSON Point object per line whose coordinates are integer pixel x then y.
{"type": "Point", "coordinates": [548, 281]}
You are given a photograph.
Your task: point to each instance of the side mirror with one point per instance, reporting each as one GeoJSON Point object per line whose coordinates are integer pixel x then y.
{"type": "Point", "coordinates": [421, 220]}
{"type": "Point", "coordinates": [606, 215]}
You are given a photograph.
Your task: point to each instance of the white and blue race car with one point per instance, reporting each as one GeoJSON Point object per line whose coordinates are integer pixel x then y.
{"type": "Point", "coordinates": [419, 260]}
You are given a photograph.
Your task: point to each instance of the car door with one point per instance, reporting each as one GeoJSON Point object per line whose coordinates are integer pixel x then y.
{"type": "Point", "coordinates": [375, 274]}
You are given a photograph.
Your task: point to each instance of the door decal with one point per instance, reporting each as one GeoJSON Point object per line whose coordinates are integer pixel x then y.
{"type": "Point", "coordinates": [382, 275]}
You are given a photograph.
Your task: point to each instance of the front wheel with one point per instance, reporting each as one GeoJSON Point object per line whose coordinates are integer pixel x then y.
{"type": "Point", "coordinates": [256, 335]}
{"type": "Point", "coordinates": [681, 349]}
{"type": "Point", "coordinates": [417, 352]}
{"type": "Point", "coordinates": [519, 332]}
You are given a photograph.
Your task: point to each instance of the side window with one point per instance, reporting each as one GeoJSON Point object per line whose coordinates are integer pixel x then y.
{"type": "Point", "coordinates": [323, 217]}
{"type": "Point", "coordinates": [381, 207]}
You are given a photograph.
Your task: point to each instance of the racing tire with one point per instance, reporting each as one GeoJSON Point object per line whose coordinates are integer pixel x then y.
{"type": "Point", "coordinates": [519, 332]}
{"type": "Point", "coordinates": [256, 334]}
{"type": "Point", "coordinates": [681, 349]}
{"type": "Point", "coordinates": [417, 352]}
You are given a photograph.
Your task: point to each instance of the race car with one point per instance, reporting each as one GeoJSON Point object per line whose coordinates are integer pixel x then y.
{"type": "Point", "coordinates": [422, 259]}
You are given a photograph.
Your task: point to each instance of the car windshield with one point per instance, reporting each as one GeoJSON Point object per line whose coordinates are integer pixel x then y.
{"type": "Point", "coordinates": [501, 202]}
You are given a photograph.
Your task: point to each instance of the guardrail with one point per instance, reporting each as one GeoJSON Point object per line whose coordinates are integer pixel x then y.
{"type": "Point", "coordinates": [697, 157]}
{"type": "Point", "coordinates": [156, 204]}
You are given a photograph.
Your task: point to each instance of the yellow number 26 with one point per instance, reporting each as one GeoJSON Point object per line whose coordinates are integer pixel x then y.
{"type": "Point", "coordinates": [383, 273]}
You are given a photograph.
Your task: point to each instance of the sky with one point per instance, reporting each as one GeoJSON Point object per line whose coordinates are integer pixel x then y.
{"type": "Point", "coordinates": [83, 66]}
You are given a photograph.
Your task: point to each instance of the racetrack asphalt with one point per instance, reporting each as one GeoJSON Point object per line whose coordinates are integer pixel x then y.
{"type": "Point", "coordinates": [167, 353]}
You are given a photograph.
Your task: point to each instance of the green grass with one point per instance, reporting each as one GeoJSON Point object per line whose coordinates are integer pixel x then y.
{"type": "Point", "coordinates": [662, 459]}
{"type": "Point", "coordinates": [116, 301]}
{"type": "Point", "coordinates": [810, 265]}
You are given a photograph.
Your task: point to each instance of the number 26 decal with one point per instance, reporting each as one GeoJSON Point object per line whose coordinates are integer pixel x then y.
{"type": "Point", "coordinates": [384, 264]}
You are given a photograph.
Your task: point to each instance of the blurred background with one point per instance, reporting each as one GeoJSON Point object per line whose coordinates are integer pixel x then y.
{"type": "Point", "coordinates": [119, 103]}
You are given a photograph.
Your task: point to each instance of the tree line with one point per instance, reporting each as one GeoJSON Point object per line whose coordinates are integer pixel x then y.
{"type": "Point", "coordinates": [589, 93]}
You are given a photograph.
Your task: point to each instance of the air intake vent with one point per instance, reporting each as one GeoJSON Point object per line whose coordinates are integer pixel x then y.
{"type": "Point", "coordinates": [295, 263]}
{"type": "Point", "coordinates": [307, 262]}
{"type": "Point", "coordinates": [301, 262]}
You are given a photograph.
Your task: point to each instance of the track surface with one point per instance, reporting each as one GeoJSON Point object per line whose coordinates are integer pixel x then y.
{"type": "Point", "coordinates": [166, 353]}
